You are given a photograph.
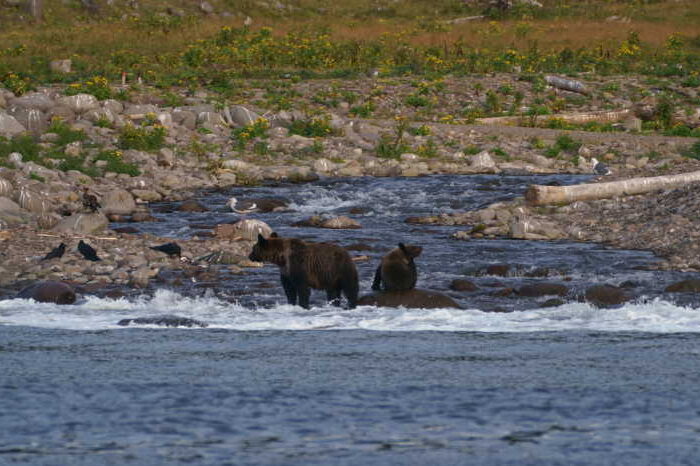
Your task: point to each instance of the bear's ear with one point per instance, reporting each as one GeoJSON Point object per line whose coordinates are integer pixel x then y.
{"type": "Point", "coordinates": [261, 239]}
{"type": "Point", "coordinates": [274, 235]}
{"type": "Point", "coordinates": [403, 248]}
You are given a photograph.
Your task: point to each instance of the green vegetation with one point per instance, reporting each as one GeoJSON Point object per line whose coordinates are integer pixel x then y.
{"type": "Point", "coordinates": [316, 127]}
{"type": "Point", "coordinates": [115, 163]}
{"type": "Point", "coordinates": [142, 138]}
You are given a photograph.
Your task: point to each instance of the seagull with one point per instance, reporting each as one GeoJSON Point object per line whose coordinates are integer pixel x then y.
{"type": "Point", "coordinates": [56, 252]}
{"type": "Point", "coordinates": [600, 168]}
{"type": "Point", "coordinates": [245, 207]}
{"type": "Point", "coordinates": [87, 251]}
{"type": "Point", "coordinates": [171, 249]}
{"type": "Point", "coordinates": [90, 201]}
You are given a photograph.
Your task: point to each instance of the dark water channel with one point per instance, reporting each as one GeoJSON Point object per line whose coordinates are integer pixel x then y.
{"type": "Point", "coordinates": [570, 385]}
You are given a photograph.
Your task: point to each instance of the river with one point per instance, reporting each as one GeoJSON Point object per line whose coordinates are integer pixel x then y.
{"type": "Point", "coordinates": [269, 383]}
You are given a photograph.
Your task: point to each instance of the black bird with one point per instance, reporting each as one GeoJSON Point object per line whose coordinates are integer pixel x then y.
{"type": "Point", "coordinates": [171, 249]}
{"type": "Point", "coordinates": [87, 251]}
{"type": "Point", "coordinates": [55, 252]}
{"type": "Point", "coordinates": [90, 201]}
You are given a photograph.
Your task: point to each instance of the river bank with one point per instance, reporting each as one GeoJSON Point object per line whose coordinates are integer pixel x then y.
{"type": "Point", "coordinates": [207, 146]}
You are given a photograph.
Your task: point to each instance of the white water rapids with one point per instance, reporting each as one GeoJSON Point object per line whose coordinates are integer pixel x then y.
{"type": "Point", "coordinates": [95, 314]}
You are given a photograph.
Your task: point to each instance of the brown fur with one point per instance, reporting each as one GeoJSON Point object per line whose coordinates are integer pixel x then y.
{"type": "Point", "coordinates": [397, 270]}
{"type": "Point", "coordinates": [304, 265]}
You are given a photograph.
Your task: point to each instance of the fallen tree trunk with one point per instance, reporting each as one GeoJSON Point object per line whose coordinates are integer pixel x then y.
{"type": "Point", "coordinates": [576, 118]}
{"type": "Point", "coordinates": [542, 195]}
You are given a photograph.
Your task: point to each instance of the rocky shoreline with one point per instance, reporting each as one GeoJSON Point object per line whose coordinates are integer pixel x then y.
{"type": "Point", "coordinates": [40, 204]}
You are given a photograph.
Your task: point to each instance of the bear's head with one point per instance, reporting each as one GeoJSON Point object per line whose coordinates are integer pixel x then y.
{"type": "Point", "coordinates": [411, 251]}
{"type": "Point", "coordinates": [268, 250]}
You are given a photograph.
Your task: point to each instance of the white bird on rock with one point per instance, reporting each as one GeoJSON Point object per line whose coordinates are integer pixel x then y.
{"type": "Point", "coordinates": [242, 207]}
{"type": "Point", "coordinates": [599, 168]}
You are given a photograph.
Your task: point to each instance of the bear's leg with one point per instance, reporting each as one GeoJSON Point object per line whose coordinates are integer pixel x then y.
{"type": "Point", "coordinates": [304, 293]}
{"type": "Point", "coordinates": [351, 289]}
{"type": "Point", "coordinates": [377, 283]}
{"type": "Point", "coordinates": [289, 289]}
{"type": "Point", "coordinates": [334, 295]}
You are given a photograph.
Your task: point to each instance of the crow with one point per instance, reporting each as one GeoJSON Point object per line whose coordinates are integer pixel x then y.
{"type": "Point", "coordinates": [171, 249]}
{"type": "Point", "coordinates": [56, 252]}
{"type": "Point", "coordinates": [87, 251]}
{"type": "Point", "coordinates": [90, 201]}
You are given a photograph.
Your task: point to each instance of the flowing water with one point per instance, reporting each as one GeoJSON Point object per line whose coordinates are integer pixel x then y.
{"type": "Point", "coordinates": [269, 383]}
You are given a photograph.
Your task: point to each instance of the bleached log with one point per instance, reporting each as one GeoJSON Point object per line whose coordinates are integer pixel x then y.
{"type": "Point", "coordinates": [576, 118]}
{"type": "Point", "coordinates": [543, 195]}
{"type": "Point", "coordinates": [567, 84]}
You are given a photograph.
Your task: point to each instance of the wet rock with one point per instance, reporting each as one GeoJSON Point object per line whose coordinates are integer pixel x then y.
{"type": "Point", "coordinates": [128, 230]}
{"type": "Point", "coordinates": [460, 284]}
{"type": "Point", "coordinates": [164, 321]}
{"type": "Point", "coordinates": [341, 223]}
{"type": "Point", "coordinates": [542, 289]}
{"type": "Point", "coordinates": [499, 270]}
{"type": "Point", "coordinates": [553, 302]}
{"type": "Point", "coordinates": [147, 195]}
{"type": "Point", "coordinates": [416, 298]}
{"type": "Point", "coordinates": [605, 295]}
{"type": "Point", "coordinates": [192, 206]}
{"type": "Point", "coordinates": [685, 286]}
{"type": "Point", "coordinates": [143, 217]}
{"type": "Point", "coordinates": [49, 292]}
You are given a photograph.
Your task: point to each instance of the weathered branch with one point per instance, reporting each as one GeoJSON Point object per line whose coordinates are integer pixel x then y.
{"type": "Point", "coordinates": [542, 195]}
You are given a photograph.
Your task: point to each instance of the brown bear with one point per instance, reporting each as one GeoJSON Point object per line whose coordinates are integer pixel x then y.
{"type": "Point", "coordinates": [397, 270]}
{"type": "Point", "coordinates": [304, 265]}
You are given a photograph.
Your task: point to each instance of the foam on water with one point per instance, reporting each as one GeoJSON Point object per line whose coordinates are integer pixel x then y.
{"type": "Point", "coordinates": [95, 314]}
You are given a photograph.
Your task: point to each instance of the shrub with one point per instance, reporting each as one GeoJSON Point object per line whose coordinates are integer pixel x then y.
{"type": "Point", "coordinates": [693, 151]}
{"type": "Point", "coordinates": [116, 164]}
{"type": "Point", "coordinates": [24, 144]}
{"type": "Point", "coordinates": [140, 138]}
{"type": "Point", "coordinates": [66, 134]}
{"type": "Point", "coordinates": [257, 129]}
{"type": "Point", "coordinates": [97, 86]}
{"type": "Point", "coordinates": [312, 128]}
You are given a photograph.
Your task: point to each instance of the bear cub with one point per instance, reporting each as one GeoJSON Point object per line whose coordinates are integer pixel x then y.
{"type": "Point", "coordinates": [304, 265]}
{"type": "Point", "coordinates": [397, 270]}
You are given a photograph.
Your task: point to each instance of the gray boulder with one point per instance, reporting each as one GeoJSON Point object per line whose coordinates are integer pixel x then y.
{"type": "Point", "coordinates": [9, 126]}
{"type": "Point", "coordinates": [119, 202]}
{"type": "Point", "coordinates": [33, 100]}
{"type": "Point", "coordinates": [80, 103]}
{"type": "Point", "coordinates": [241, 116]}
{"type": "Point", "coordinates": [32, 119]}
{"type": "Point", "coordinates": [82, 224]}
{"type": "Point", "coordinates": [8, 205]}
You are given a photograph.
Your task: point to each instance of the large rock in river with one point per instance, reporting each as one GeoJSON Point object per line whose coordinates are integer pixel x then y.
{"type": "Point", "coordinates": [422, 299]}
{"type": "Point", "coordinates": [49, 292]}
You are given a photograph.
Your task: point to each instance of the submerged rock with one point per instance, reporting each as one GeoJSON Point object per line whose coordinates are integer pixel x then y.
{"type": "Point", "coordinates": [165, 321]}
{"type": "Point", "coordinates": [421, 299]}
{"type": "Point", "coordinates": [49, 292]}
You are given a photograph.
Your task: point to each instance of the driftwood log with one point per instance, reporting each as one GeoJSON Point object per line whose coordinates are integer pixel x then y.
{"type": "Point", "coordinates": [576, 118]}
{"type": "Point", "coordinates": [543, 195]}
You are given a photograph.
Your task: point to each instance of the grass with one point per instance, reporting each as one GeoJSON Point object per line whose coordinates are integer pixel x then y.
{"type": "Point", "coordinates": [406, 37]}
